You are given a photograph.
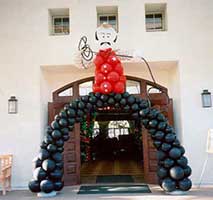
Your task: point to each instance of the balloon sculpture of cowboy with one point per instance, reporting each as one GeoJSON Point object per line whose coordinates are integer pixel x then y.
{"type": "Point", "coordinates": [109, 75]}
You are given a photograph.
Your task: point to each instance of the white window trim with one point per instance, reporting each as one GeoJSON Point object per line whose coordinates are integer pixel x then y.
{"type": "Point", "coordinates": [163, 21]}
{"type": "Point", "coordinates": [53, 25]}
{"type": "Point", "coordinates": [108, 15]}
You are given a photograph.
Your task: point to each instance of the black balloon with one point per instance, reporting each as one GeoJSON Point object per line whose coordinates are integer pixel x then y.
{"type": "Point", "coordinates": [170, 137]}
{"type": "Point", "coordinates": [161, 117]}
{"type": "Point", "coordinates": [71, 121]}
{"type": "Point", "coordinates": [59, 143]}
{"type": "Point", "coordinates": [111, 101]}
{"type": "Point", "coordinates": [182, 161]}
{"type": "Point", "coordinates": [144, 104]}
{"type": "Point", "coordinates": [176, 173]}
{"type": "Point", "coordinates": [159, 135]}
{"type": "Point", "coordinates": [63, 114]}
{"type": "Point", "coordinates": [168, 185]}
{"type": "Point", "coordinates": [162, 172]}
{"type": "Point", "coordinates": [46, 186]}
{"type": "Point", "coordinates": [131, 100]}
{"type": "Point", "coordinates": [153, 123]}
{"type": "Point", "coordinates": [63, 122]}
{"type": "Point", "coordinates": [187, 171]}
{"type": "Point", "coordinates": [48, 165]}
{"type": "Point", "coordinates": [168, 163]}
{"type": "Point", "coordinates": [185, 184]}
{"type": "Point", "coordinates": [166, 147]}
{"type": "Point", "coordinates": [162, 126]}
{"type": "Point", "coordinates": [51, 148]}
{"type": "Point", "coordinates": [34, 186]}
{"type": "Point", "coordinates": [56, 134]}
{"type": "Point", "coordinates": [65, 131]}
{"type": "Point", "coordinates": [153, 114]}
{"type": "Point", "coordinates": [55, 125]}
{"type": "Point", "coordinates": [143, 113]}
{"type": "Point", "coordinates": [175, 153]}
{"type": "Point", "coordinates": [39, 174]}
{"type": "Point", "coordinates": [161, 155]}
{"type": "Point", "coordinates": [71, 112]}
{"type": "Point", "coordinates": [56, 174]}
{"type": "Point", "coordinates": [48, 139]}
{"type": "Point", "coordinates": [59, 165]}
{"type": "Point", "coordinates": [117, 97]}
{"type": "Point", "coordinates": [58, 185]}
{"type": "Point", "coordinates": [57, 157]}
{"type": "Point", "coordinates": [43, 145]}
{"type": "Point", "coordinates": [123, 102]}
{"type": "Point", "coordinates": [43, 154]}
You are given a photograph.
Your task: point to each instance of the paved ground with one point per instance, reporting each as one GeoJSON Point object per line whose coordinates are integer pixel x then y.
{"type": "Point", "coordinates": [70, 193]}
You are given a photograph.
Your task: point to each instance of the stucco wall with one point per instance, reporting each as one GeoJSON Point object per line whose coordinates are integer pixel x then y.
{"type": "Point", "coordinates": [26, 46]}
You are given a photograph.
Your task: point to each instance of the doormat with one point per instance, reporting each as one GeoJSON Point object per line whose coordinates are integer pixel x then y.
{"type": "Point", "coordinates": [114, 189]}
{"type": "Point", "coordinates": [115, 179]}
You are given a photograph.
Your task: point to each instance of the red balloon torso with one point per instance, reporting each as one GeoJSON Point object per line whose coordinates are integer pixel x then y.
{"type": "Point", "coordinates": [109, 75]}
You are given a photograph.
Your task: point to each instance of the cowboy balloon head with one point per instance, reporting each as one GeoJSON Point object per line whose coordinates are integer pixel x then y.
{"type": "Point", "coordinates": [105, 36]}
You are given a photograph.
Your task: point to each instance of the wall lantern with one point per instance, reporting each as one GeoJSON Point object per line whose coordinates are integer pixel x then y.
{"type": "Point", "coordinates": [206, 99]}
{"type": "Point", "coordinates": [12, 105]}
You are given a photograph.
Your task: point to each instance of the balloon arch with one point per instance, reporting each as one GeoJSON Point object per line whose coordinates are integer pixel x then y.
{"type": "Point", "coordinates": [173, 170]}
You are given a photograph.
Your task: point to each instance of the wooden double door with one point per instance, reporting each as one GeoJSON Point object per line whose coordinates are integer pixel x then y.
{"type": "Point", "coordinates": [72, 161]}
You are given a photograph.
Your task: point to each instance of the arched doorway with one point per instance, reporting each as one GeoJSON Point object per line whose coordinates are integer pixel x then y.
{"type": "Point", "coordinates": [137, 87]}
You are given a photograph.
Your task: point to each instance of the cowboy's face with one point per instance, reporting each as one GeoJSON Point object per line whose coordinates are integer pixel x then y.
{"type": "Point", "coordinates": [106, 37]}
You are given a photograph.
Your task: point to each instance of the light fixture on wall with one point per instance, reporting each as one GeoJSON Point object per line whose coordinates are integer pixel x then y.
{"type": "Point", "coordinates": [206, 99]}
{"type": "Point", "coordinates": [12, 105]}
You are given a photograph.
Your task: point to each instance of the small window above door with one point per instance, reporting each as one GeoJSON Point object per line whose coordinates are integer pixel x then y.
{"type": "Point", "coordinates": [133, 87]}
{"type": "Point", "coordinates": [66, 93]}
{"type": "Point", "coordinates": [85, 88]}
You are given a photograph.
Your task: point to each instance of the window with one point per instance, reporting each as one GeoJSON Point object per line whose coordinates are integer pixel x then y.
{"type": "Point", "coordinates": [133, 87]}
{"type": "Point", "coordinates": [66, 93]}
{"type": "Point", "coordinates": [109, 15]}
{"type": "Point", "coordinates": [116, 128]}
{"type": "Point", "coordinates": [155, 17]}
{"type": "Point", "coordinates": [59, 21]}
{"type": "Point", "coordinates": [85, 88]}
{"type": "Point", "coordinates": [61, 25]}
{"type": "Point", "coordinates": [109, 19]}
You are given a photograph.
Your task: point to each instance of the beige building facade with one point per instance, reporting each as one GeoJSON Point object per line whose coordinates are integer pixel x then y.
{"type": "Point", "coordinates": [36, 59]}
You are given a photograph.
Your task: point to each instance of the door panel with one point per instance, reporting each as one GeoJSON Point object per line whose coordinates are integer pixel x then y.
{"type": "Point", "coordinates": [71, 153]}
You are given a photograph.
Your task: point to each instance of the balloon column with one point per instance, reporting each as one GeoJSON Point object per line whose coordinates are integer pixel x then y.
{"type": "Point", "coordinates": [173, 170]}
{"type": "Point", "coordinates": [108, 73]}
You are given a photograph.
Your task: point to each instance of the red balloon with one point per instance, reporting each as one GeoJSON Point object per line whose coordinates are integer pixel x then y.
{"type": "Point", "coordinates": [98, 61]}
{"type": "Point", "coordinates": [113, 60]}
{"type": "Point", "coordinates": [104, 53]}
{"type": "Point", "coordinates": [99, 78]}
{"type": "Point", "coordinates": [106, 68]}
{"type": "Point", "coordinates": [118, 68]}
{"type": "Point", "coordinates": [106, 87]}
{"type": "Point", "coordinates": [123, 79]}
{"type": "Point", "coordinates": [113, 76]}
{"type": "Point", "coordinates": [119, 87]}
{"type": "Point", "coordinates": [96, 88]}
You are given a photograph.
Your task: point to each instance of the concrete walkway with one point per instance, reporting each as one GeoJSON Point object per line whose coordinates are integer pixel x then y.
{"type": "Point", "coordinates": [70, 193]}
